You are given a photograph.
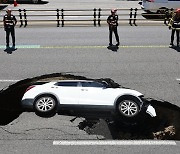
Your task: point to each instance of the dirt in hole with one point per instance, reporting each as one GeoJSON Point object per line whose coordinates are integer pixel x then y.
{"type": "Point", "coordinates": [165, 126]}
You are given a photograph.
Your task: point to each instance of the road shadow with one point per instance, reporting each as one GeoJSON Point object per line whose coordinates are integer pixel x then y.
{"type": "Point", "coordinates": [153, 16]}
{"type": "Point", "coordinates": [10, 50]}
{"type": "Point", "coordinates": [43, 2]}
{"type": "Point", "coordinates": [175, 48]}
{"type": "Point", "coordinates": [3, 7]}
{"type": "Point", "coordinates": [113, 48]}
{"type": "Point", "coordinates": [157, 17]}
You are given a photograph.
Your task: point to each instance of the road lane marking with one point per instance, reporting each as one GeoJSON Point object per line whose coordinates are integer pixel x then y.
{"type": "Point", "coordinates": [82, 46]}
{"type": "Point", "coordinates": [72, 47]}
{"type": "Point", "coordinates": [145, 46]}
{"type": "Point", "coordinates": [178, 79]}
{"type": "Point", "coordinates": [23, 46]}
{"type": "Point", "coordinates": [112, 142]}
{"type": "Point", "coordinates": [9, 80]}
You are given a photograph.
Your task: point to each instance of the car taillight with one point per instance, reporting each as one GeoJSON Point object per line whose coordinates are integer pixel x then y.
{"type": "Point", "coordinates": [30, 87]}
{"type": "Point", "coordinates": [150, 0]}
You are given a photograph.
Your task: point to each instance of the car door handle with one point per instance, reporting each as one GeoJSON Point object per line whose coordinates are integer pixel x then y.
{"type": "Point", "coordinates": [54, 87]}
{"type": "Point", "coordinates": [84, 90]}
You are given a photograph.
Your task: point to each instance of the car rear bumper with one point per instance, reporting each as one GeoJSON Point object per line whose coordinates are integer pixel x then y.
{"type": "Point", "coordinates": [27, 104]}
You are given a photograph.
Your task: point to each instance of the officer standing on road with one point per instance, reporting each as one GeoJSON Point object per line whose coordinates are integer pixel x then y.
{"type": "Point", "coordinates": [112, 20]}
{"type": "Point", "coordinates": [9, 24]}
{"type": "Point", "coordinates": [174, 24]}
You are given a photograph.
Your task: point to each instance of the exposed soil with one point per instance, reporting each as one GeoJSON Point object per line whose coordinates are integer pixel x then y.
{"type": "Point", "coordinates": [165, 126]}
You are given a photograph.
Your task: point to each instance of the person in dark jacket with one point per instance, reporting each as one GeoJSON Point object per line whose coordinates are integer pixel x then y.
{"type": "Point", "coordinates": [174, 24]}
{"type": "Point", "coordinates": [9, 26]}
{"type": "Point", "coordinates": [112, 21]}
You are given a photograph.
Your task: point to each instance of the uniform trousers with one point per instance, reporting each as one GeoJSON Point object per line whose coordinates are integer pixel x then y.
{"type": "Point", "coordinates": [111, 30]}
{"type": "Point", "coordinates": [8, 32]}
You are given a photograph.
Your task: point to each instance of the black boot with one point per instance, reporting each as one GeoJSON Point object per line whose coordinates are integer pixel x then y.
{"type": "Point", "coordinates": [117, 44]}
{"type": "Point", "coordinates": [171, 44]}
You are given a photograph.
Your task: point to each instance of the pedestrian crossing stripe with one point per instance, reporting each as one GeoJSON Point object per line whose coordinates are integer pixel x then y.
{"type": "Point", "coordinates": [82, 47]}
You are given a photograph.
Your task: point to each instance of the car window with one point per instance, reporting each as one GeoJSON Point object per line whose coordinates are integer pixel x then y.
{"type": "Point", "coordinates": [66, 84]}
{"type": "Point", "coordinates": [92, 84]}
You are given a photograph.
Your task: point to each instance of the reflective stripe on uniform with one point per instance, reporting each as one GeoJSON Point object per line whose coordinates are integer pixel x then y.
{"type": "Point", "coordinates": [9, 20]}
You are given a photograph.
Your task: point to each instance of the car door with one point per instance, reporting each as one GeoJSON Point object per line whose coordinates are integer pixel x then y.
{"type": "Point", "coordinates": [161, 1]}
{"type": "Point", "coordinates": [68, 92]}
{"type": "Point", "coordinates": [93, 93]}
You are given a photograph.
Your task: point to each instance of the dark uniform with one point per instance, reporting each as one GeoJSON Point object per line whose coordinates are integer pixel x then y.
{"type": "Point", "coordinates": [175, 26]}
{"type": "Point", "coordinates": [9, 24]}
{"type": "Point", "coordinates": [112, 20]}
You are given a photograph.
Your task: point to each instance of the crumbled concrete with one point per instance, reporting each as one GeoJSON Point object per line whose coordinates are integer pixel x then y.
{"type": "Point", "coordinates": [166, 133]}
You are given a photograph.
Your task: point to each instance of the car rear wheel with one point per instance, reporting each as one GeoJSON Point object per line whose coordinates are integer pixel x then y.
{"type": "Point", "coordinates": [128, 107]}
{"type": "Point", "coordinates": [45, 106]}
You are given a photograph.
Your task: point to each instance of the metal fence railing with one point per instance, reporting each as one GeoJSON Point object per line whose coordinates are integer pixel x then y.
{"type": "Point", "coordinates": [94, 17]}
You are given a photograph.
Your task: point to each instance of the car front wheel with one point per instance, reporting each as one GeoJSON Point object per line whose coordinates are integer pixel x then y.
{"type": "Point", "coordinates": [45, 106]}
{"type": "Point", "coordinates": [128, 107]}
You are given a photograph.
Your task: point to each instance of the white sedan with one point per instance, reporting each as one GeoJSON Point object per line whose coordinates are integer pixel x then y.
{"type": "Point", "coordinates": [84, 96]}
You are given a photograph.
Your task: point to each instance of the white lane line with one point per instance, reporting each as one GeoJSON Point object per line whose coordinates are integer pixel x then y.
{"type": "Point", "coordinates": [9, 80]}
{"type": "Point", "coordinates": [109, 142]}
{"type": "Point", "coordinates": [178, 79]}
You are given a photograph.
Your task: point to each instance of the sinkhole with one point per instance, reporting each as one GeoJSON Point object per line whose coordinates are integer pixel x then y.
{"type": "Point", "coordinates": [165, 126]}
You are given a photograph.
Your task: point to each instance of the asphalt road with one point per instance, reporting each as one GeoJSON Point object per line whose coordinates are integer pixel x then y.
{"type": "Point", "coordinates": [46, 147]}
{"type": "Point", "coordinates": [143, 62]}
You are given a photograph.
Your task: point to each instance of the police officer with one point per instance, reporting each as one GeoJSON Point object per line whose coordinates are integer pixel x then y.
{"type": "Point", "coordinates": [112, 20]}
{"type": "Point", "coordinates": [174, 24]}
{"type": "Point", "coordinates": [9, 24]}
